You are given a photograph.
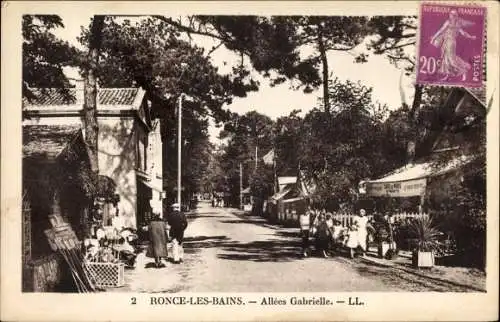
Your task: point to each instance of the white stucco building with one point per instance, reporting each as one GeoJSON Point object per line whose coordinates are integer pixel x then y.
{"type": "Point", "coordinates": [129, 144]}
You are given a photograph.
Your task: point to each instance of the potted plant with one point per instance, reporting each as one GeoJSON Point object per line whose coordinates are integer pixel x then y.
{"type": "Point", "coordinates": [425, 237]}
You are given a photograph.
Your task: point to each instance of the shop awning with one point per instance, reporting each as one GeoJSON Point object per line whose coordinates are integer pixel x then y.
{"type": "Point", "coordinates": [293, 199]}
{"type": "Point", "coordinates": [410, 180]}
{"type": "Point", "coordinates": [280, 194]}
{"type": "Point", "coordinates": [153, 184]}
{"type": "Point", "coordinates": [283, 182]}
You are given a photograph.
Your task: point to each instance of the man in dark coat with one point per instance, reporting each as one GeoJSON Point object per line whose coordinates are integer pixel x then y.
{"type": "Point", "coordinates": [178, 223]}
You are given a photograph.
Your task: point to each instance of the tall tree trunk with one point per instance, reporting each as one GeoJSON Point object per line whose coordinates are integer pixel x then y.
{"type": "Point", "coordinates": [413, 150]}
{"type": "Point", "coordinates": [417, 100]}
{"type": "Point", "coordinates": [324, 62]}
{"type": "Point", "coordinates": [90, 96]}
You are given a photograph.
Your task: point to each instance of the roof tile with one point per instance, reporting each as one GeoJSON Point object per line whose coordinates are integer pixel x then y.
{"type": "Point", "coordinates": [67, 96]}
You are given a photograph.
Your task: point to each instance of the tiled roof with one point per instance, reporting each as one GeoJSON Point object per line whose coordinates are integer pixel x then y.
{"type": "Point", "coordinates": [117, 96]}
{"type": "Point", "coordinates": [68, 96]}
{"type": "Point", "coordinates": [47, 141]}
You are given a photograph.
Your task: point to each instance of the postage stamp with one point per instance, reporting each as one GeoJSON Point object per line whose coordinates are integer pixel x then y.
{"type": "Point", "coordinates": [451, 49]}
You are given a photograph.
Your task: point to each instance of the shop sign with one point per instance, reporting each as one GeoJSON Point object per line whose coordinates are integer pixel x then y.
{"type": "Point", "coordinates": [408, 188]}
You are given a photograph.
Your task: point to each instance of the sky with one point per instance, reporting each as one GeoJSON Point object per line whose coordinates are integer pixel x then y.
{"type": "Point", "coordinates": [281, 100]}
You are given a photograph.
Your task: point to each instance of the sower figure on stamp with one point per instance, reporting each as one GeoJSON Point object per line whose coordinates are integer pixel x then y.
{"type": "Point", "coordinates": [178, 224]}
{"type": "Point", "coordinates": [446, 39]}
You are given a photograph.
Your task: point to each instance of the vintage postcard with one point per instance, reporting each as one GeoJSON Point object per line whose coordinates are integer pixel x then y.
{"type": "Point", "coordinates": [242, 161]}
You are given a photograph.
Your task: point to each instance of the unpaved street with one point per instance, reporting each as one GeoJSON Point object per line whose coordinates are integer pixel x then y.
{"type": "Point", "coordinates": [227, 251]}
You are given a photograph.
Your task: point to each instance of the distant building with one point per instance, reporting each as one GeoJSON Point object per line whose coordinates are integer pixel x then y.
{"type": "Point", "coordinates": [291, 199]}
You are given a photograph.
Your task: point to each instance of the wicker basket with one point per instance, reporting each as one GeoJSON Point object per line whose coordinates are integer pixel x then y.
{"type": "Point", "coordinates": [106, 274]}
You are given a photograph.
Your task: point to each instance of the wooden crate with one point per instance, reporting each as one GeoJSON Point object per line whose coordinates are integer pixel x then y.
{"type": "Point", "coordinates": [106, 274]}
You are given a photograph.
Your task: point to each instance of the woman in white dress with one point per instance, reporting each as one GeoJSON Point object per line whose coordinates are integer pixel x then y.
{"type": "Point", "coordinates": [358, 233]}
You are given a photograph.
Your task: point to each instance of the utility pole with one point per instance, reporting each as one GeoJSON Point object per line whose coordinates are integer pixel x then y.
{"type": "Point", "coordinates": [179, 150]}
{"type": "Point", "coordinates": [179, 142]}
{"type": "Point", "coordinates": [275, 179]}
{"type": "Point", "coordinates": [241, 186]}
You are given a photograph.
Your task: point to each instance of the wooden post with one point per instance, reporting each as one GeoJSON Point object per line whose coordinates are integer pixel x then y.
{"type": "Point", "coordinates": [241, 186]}
{"type": "Point", "coordinates": [256, 156]}
{"type": "Point", "coordinates": [179, 152]}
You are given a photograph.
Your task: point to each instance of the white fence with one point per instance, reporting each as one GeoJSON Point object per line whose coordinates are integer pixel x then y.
{"type": "Point", "coordinates": [407, 215]}
{"type": "Point", "coordinates": [346, 219]}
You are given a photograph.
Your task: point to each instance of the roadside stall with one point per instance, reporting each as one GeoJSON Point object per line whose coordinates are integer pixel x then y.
{"type": "Point", "coordinates": [409, 181]}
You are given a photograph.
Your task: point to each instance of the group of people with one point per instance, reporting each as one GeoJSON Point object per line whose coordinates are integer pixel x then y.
{"type": "Point", "coordinates": [328, 232]}
{"type": "Point", "coordinates": [217, 200]}
{"type": "Point", "coordinates": [161, 232]}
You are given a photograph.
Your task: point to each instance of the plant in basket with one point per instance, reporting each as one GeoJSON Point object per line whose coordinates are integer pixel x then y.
{"type": "Point", "coordinates": [425, 237]}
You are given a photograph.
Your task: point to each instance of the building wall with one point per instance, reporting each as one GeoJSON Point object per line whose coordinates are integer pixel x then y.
{"type": "Point", "coordinates": [116, 154]}
{"type": "Point", "coordinates": [54, 120]}
{"type": "Point", "coordinates": [117, 160]}
{"type": "Point", "coordinates": [155, 166]}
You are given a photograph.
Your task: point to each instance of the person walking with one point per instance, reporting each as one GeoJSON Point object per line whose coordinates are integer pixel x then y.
{"type": "Point", "coordinates": [158, 240]}
{"type": "Point", "coordinates": [178, 224]}
{"type": "Point", "coordinates": [323, 236]}
{"type": "Point", "coordinates": [305, 226]}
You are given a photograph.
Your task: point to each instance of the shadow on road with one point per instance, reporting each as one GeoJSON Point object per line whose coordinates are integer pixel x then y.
{"type": "Point", "coordinates": [253, 221]}
{"type": "Point", "coordinates": [288, 234]}
{"type": "Point", "coordinates": [194, 244]}
{"type": "Point", "coordinates": [206, 213]}
{"type": "Point", "coordinates": [274, 250]}
{"type": "Point", "coordinates": [207, 216]}
{"type": "Point", "coordinates": [243, 221]}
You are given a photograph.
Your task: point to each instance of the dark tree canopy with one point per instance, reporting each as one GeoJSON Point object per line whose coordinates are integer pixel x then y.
{"type": "Point", "coordinates": [44, 55]}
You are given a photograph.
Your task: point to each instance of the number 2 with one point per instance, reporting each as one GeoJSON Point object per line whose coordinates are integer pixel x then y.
{"type": "Point", "coordinates": [134, 300]}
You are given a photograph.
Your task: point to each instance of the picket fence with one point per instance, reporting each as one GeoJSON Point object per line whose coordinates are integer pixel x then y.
{"type": "Point", "coordinates": [346, 219]}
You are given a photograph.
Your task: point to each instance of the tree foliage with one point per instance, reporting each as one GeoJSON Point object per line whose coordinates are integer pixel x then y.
{"type": "Point", "coordinates": [328, 33]}
{"type": "Point", "coordinates": [151, 54]}
{"type": "Point", "coordinates": [269, 43]}
{"type": "Point", "coordinates": [394, 37]}
{"type": "Point", "coordinates": [246, 135]}
{"type": "Point", "coordinates": [343, 147]}
{"type": "Point", "coordinates": [288, 143]}
{"type": "Point", "coordinates": [44, 55]}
